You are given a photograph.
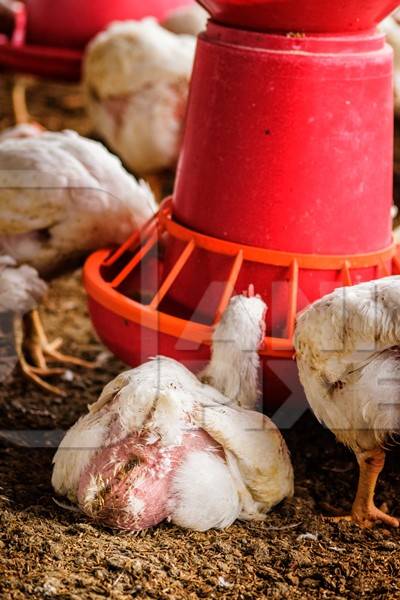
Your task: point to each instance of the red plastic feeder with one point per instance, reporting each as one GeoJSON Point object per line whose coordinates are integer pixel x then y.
{"type": "Point", "coordinates": [285, 181]}
{"type": "Point", "coordinates": [50, 35]}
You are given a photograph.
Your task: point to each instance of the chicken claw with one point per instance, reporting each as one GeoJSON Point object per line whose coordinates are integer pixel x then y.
{"type": "Point", "coordinates": [40, 347]}
{"type": "Point", "coordinates": [368, 518]}
{"type": "Point", "coordinates": [31, 372]}
{"type": "Point", "coordinates": [31, 335]}
{"type": "Point", "coordinates": [364, 512]}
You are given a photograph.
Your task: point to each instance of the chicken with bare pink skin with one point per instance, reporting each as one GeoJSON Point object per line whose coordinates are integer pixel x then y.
{"type": "Point", "coordinates": [62, 196]}
{"type": "Point", "coordinates": [348, 353]}
{"type": "Point", "coordinates": [161, 443]}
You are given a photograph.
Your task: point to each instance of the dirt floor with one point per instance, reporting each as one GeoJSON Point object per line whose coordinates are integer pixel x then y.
{"type": "Point", "coordinates": [49, 552]}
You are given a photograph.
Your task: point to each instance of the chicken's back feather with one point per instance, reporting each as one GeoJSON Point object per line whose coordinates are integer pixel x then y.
{"type": "Point", "coordinates": [63, 196]}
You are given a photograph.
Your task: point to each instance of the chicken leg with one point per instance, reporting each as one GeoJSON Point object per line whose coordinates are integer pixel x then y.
{"type": "Point", "coordinates": [31, 372]}
{"type": "Point", "coordinates": [30, 336]}
{"type": "Point", "coordinates": [364, 511]}
{"type": "Point", "coordinates": [20, 105]}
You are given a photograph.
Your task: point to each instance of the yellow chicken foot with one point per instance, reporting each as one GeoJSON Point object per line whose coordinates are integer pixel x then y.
{"type": "Point", "coordinates": [41, 349]}
{"type": "Point", "coordinates": [364, 511]}
{"type": "Point", "coordinates": [31, 372]}
{"type": "Point", "coordinates": [31, 337]}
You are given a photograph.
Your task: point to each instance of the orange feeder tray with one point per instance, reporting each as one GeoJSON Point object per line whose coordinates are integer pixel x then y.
{"type": "Point", "coordinates": [130, 290]}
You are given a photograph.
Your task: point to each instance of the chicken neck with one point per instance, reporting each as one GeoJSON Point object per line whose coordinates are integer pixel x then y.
{"type": "Point", "coordinates": [234, 373]}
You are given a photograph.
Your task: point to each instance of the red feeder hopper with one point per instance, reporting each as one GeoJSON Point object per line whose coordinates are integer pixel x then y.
{"type": "Point", "coordinates": [50, 35]}
{"type": "Point", "coordinates": [285, 181]}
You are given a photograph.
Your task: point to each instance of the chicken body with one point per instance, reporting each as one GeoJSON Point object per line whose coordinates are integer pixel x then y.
{"type": "Point", "coordinates": [22, 131]}
{"type": "Point", "coordinates": [63, 196]}
{"type": "Point", "coordinates": [136, 77]}
{"type": "Point", "coordinates": [162, 444]}
{"type": "Point", "coordinates": [348, 353]}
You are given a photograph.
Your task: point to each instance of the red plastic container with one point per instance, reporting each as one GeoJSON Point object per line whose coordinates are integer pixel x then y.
{"type": "Point", "coordinates": [293, 155]}
{"type": "Point", "coordinates": [51, 35]}
{"type": "Point", "coordinates": [311, 16]}
{"type": "Point", "coordinates": [72, 23]}
{"type": "Point", "coordinates": [284, 181]}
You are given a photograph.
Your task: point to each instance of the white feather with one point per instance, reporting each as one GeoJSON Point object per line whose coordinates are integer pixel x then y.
{"type": "Point", "coordinates": [24, 130]}
{"type": "Point", "coordinates": [258, 453]}
{"type": "Point", "coordinates": [204, 494]}
{"type": "Point", "coordinates": [234, 368]}
{"type": "Point", "coordinates": [21, 288]}
{"type": "Point", "coordinates": [63, 196]}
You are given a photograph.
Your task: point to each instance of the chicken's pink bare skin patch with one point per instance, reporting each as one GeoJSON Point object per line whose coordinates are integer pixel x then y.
{"type": "Point", "coordinates": [128, 485]}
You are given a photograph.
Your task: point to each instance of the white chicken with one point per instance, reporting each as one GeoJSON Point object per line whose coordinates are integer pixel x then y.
{"type": "Point", "coordinates": [348, 353]}
{"type": "Point", "coordinates": [162, 444]}
{"type": "Point", "coordinates": [191, 20]}
{"type": "Point", "coordinates": [136, 79]}
{"type": "Point", "coordinates": [391, 28]}
{"type": "Point", "coordinates": [21, 131]}
{"type": "Point", "coordinates": [63, 196]}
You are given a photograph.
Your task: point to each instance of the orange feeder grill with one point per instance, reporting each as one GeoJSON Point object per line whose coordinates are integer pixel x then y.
{"type": "Point", "coordinates": [113, 311]}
